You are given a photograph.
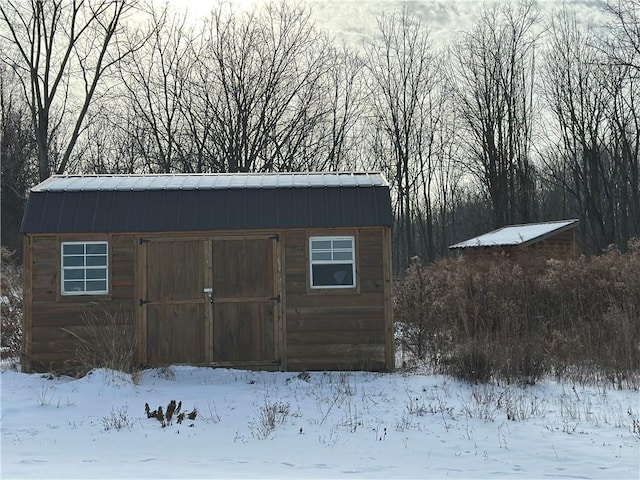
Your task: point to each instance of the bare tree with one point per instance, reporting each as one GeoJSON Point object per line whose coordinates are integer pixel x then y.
{"type": "Point", "coordinates": [574, 80]}
{"type": "Point", "coordinates": [264, 76]}
{"type": "Point", "coordinates": [111, 143]}
{"type": "Point", "coordinates": [256, 91]}
{"type": "Point", "coordinates": [17, 155]}
{"type": "Point", "coordinates": [61, 50]}
{"type": "Point", "coordinates": [442, 192]}
{"type": "Point", "coordinates": [347, 103]}
{"type": "Point", "coordinates": [622, 48]}
{"type": "Point", "coordinates": [196, 110]}
{"type": "Point", "coordinates": [154, 81]}
{"type": "Point", "coordinates": [401, 72]}
{"type": "Point", "coordinates": [493, 77]}
{"type": "Point", "coordinates": [625, 27]}
{"type": "Point", "coordinates": [623, 149]}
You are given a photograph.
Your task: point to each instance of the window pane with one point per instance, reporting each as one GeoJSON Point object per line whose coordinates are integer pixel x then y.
{"type": "Point", "coordinates": [332, 275]}
{"type": "Point", "coordinates": [84, 268]}
{"type": "Point", "coordinates": [97, 261]}
{"type": "Point", "coordinates": [75, 249]}
{"type": "Point", "coordinates": [74, 274]}
{"type": "Point", "coordinates": [96, 286]}
{"type": "Point", "coordinates": [342, 244]}
{"type": "Point", "coordinates": [320, 244]}
{"type": "Point", "coordinates": [97, 273]}
{"type": "Point", "coordinates": [321, 256]}
{"type": "Point", "coordinates": [342, 255]}
{"type": "Point", "coordinates": [95, 248]}
{"type": "Point", "coordinates": [73, 286]}
{"type": "Point", "coordinates": [72, 261]}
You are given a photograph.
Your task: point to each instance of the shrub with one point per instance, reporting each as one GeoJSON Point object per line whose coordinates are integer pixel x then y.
{"type": "Point", "coordinates": [516, 321]}
{"type": "Point", "coordinates": [10, 305]}
{"type": "Point", "coordinates": [472, 363]}
{"type": "Point", "coordinates": [526, 363]}
{"type": "Point", "coordinates": [117, 420]}
{"type": "Point", "coordinates": [270, 415]}
{"type": "Point", "coordinates": [422, 332]}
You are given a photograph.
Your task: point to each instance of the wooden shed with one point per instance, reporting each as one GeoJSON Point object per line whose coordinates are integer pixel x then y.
{"type": "Point", "coordinates": [288, 271]}
{"type": "Point", "coordinates": [542, 240]}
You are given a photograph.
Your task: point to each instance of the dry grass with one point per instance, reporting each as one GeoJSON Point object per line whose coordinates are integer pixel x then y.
{"type": "Point", "coordinates": [494, 319]}
{"type": "Point", "coordinates": [109, 341]}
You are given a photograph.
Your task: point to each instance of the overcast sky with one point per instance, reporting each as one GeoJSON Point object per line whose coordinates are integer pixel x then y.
{"type": "Point", "coordinates": [354, 20]}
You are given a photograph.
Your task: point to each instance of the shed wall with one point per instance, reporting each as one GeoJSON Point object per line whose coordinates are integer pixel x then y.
{"type": "Point", "coordinates": [560, 246]}
{"type": "Point", "coordinates": [321, 329]}
{"type": "Point", "coordinates": [337, 329]}
{"type": "Point", "coordinates": [52, 321]}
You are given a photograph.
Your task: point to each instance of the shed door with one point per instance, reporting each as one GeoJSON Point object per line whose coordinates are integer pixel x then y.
{"type": "Point", "coordinates": [175, 303]}
{"type": "Point", "coordinates": [244, 300]}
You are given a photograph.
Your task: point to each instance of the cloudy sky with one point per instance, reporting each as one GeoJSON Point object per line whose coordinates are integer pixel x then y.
{"type": "Point", "coordinates": [354, 20]}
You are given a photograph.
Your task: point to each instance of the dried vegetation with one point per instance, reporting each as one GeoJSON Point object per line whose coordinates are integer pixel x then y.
{"type": "Point", "coordinates": [10, 305]}
{"type": "Point", "coordinates": [493, 319]}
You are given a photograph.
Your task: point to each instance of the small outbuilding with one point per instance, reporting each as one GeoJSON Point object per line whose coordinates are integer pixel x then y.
{"type": "Point", "coordinates": [288, 271]}
{"type": "Point", "coordinates": [542, 240]}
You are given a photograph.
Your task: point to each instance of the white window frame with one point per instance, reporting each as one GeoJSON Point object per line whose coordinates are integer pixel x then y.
{"type": "Point", "coordinates": [84, 267]}
{"type": "Point", "coordinates": [332, 250]}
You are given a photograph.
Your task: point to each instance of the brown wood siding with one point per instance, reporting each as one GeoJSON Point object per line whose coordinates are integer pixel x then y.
{"type": "Point", "coordinates": [389, 329]}
{"type": "Point", "coordinates": [310, 329]}
{"type": "Point", "coordinates": [52, 320]}
{"type": "Point", "coordinates": [45, 258]}
{"type": "Point", "coordinates": [27, 315]}
{"type": "Point", "coordinates": [370, 261]}
{"type": "Point", "coordinates": [341, 329]}
{"type": "Point", "coordinates": [560, 246]}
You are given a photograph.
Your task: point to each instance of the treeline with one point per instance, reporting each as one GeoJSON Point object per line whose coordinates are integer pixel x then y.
{"type": "Point", "coordinates": [525, 116]}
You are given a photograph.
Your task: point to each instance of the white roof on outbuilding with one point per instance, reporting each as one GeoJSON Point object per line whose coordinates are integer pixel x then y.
{"type": "Point", "coordinates": [513, 235]}
{"type": "Point", "coordinates": [211, 181]}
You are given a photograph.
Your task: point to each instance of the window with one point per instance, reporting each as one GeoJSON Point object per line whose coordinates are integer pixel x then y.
{"type": "Point", "coordinates": [84, 268]}
{"type": "Point", "coordinates": [332, 262]}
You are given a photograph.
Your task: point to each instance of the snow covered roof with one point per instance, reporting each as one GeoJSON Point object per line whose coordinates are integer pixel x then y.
{"type": "Point", "coordinates": [513, 235]}
{"type": "Point", "coordinates": [209, 181]}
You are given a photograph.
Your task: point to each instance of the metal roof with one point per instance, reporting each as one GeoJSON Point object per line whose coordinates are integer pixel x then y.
{"type": "Point", "coordinates": [185, 202]}
{"type": "Point", "coordinates": [514, 235]}
{"type": "Point", "coordinates": [76, 183]}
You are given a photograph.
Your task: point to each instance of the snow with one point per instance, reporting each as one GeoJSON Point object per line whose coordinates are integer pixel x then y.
{"type": "Point", "coordinates": [326, 425]}
{"type": "Point", "coordinates": [514, 234]}
{"type": "Point", "coordinates": [208, 181]}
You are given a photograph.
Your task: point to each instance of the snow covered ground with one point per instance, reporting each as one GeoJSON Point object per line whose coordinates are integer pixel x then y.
{"type": "Point", "coordinates": [324, 425]}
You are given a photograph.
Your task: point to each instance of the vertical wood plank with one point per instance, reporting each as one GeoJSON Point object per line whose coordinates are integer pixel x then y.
{"type": "Point", "coordinates": [389, 342]}
{"type": "Point", "coordinates": [280, 334]}
{"type": "Point", "coordinates": [356, 246]}
{"type": "Point", "coordinates": [141, 252]}
{"type": "Point", "coordinates": [208, 306]}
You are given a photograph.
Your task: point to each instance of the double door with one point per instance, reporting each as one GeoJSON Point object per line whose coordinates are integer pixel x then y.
{"type": "Point", "coordinates": [210, 301]}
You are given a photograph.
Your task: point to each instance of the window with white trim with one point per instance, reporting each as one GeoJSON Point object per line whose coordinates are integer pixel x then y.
{"type": "Point", "coordinates": [84, 268]}
{"type": "Point", "coordinates": [332, 261]}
